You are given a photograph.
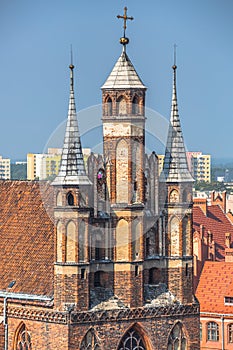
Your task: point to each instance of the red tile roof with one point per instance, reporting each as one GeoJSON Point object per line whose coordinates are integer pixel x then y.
{"type": "Point", "coordinates": [216, 282]}
{"type": "Point", "coordinates": [215, 221]}
{"type": "Point", "coordinates": [27, 238]}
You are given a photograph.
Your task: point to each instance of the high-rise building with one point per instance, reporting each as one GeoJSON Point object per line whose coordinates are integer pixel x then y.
{"type": "Point", "coordinates": [5, 168]}
{"type": "Point", "coordinates": [199, 165]}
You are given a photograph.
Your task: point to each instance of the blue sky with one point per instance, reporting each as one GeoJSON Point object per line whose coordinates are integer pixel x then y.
{"type": "Point", "coordinates": [35, 38]}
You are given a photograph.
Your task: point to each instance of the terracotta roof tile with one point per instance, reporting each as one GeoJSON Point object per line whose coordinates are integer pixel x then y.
{"type": "Point", "coordinates": [215, 221]}
{"type": "Point", "coordinates": [212, 299]}
{"type": "Point", "coordinates": [27, 238]}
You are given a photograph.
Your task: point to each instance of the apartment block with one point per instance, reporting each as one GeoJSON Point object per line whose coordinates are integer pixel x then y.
{"type": "Point", "coordinates": [5, 168]}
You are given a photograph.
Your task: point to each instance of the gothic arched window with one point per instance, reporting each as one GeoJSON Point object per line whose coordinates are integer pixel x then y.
{"type": "Point", "coordinates": [70, 199]}
{"type": "Point", "coordinates": [90, 341]}
{"type": "Point", "coordinates": [132, 341]}
{"type": "Point", "coordinates": [101, 181]}
{"type": "Point", "coordinates": [23, 339]}
{"type": "Point", "coordinates": [109, 106]}
{"type": "Point", "coordinates": [121, 106]}
{"type": "Point", "coordinates": [135, 105]}
{"type": "Point", "coordinates": [177, 339]}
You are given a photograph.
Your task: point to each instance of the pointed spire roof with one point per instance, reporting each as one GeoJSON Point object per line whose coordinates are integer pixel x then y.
{"type": "Point", "coordinates": [175, 168]}
{"type": "Point", "coordinates": [123, 75]}
{"type": "Point", "coordinates": [72, 170]}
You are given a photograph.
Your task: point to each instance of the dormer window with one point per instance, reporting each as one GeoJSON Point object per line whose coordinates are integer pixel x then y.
{"type": "Point", "coordinates": [70, 199]}
{"type": "Point", "coordinates": [228, 301]}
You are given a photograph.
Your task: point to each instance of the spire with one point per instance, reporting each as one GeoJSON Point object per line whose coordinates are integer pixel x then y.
{"type": "Point", "coordinates": [72, 170]}
{"type": "Point", "coordinates": [123, 75]}
{"type": "Point", "coordinates": [175, 168]}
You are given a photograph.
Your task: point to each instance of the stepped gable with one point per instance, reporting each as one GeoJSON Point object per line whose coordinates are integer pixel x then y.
{"type": "Point", "coordinates": [27, 238]}
{"type": "Point", "coordinates": [216, 282]}
{"type": "Point", "coordinates": [217, 223]}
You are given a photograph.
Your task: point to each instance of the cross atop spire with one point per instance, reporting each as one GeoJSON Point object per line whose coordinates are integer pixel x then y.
{"type": "Point", "coordinates": [124, 41]}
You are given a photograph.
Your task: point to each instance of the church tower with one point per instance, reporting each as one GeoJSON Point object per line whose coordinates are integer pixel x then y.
{"type": "Point", "coordinates": [123, 99]}
{"type": "Point", "coordinates": [73, 203]}
{"type": "Point", "coordinates": [176, 200]}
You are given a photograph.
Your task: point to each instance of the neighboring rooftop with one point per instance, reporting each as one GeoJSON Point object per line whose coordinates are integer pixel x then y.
{"type": "Point", "coordinates": [216, 283]}
{"type": "Point", "coordinates": [27, 237]}
{"type": "Point", "coordinates": [215, 221]}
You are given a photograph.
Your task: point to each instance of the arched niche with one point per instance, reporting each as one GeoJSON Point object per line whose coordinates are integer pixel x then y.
{"type": "Point", "coordinates": [59, 241]}
{"type": "Point", "coordinates": [70, 199]}
{"type": "Point", "coordinates": [174, 235]}
{"type": "Point", "coordinates": [174, 196]}
{"type": "Point", "coordinates": [81, 240]}
{"type": "Point", "coordinates": [90, 341]}
{"type": "Point", "coordinates": [59, 199]}
{"type": "Point", "coordinates": [136, 237]}
{"type": "Point", "coordinates": [122, 172]}
{"type": "Point", "coordinates": [108, 106]}
{"type": "Point", "coordinates": [71, 242]}
{"type": "Point", "coordinates": [122, 240]}
{"type": "Point", "coordinates": [135, 105]}
{"type": "Point", "coordinates": [121, 106]}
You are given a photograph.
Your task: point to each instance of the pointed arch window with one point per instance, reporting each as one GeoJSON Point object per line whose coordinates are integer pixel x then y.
{"type": "Point", "coordinates": [23, 339]}
{"type": "Point", "coordinates": [177, 339]}
{"type": "Point", "coordinates": [121, 106]}
{"type": "Point", "coordinates": [90, 341]}
{"type": "Point", "coordinates": [132, 341]}
{"type": "Point", "coordinates": [109, 106]}
{"type": "Point", "coordinates": [135, 105]}
{"type": "Point", "coordinates": [70, 199]}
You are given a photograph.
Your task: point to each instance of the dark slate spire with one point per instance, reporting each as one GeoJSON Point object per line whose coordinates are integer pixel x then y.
{"type": "Point", "coordinates": [175, 168]}
{"type": "Point", "coordinates": [72, 170]}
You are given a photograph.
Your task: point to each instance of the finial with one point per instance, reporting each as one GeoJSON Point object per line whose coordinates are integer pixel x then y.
{"type": "Point", "coordinates": [124, 41]}
{"type": "Point", "coordinates": [71, 58]}
{"type": "Point", "coordinates": [174, 65]}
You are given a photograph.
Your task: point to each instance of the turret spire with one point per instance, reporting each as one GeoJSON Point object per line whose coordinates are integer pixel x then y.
{"type": "Point", "coordinates": [175, 167]}
{"type": "Point", "coordinates": [72, 170]}
{"type": "Point", "coordinates": [124, 40]}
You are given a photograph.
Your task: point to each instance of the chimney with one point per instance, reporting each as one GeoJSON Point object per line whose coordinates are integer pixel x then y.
{"type": "Point", "coordinates": [201, 203]}
{"type": "Point", "coordinates": [228, 240]}
{"type": "Point", "coordinates": [230, 216]}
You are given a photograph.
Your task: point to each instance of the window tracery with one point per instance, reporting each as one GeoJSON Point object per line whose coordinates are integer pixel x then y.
{"type": "Point", "coordinates": [132, 341]}
{"type": "Point", "coordinates": [90, 341]}
{"type": "Point", "coordinates": [23, 341]}
{"type": "Point", "coordinates": [177, 339]}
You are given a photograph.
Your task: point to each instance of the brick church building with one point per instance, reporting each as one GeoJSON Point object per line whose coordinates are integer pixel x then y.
{"type": "Point", "coordinates": [101, 258]}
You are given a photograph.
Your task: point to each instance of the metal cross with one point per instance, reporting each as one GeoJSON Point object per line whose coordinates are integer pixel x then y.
{"type": "Point", "coordinates": [125, 18]}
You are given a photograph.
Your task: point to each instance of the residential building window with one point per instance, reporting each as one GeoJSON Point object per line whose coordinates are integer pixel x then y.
{"type": "Point", "coordinates": [230, 333]}
{"type": "Point", "coordinates": [212, 331]}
